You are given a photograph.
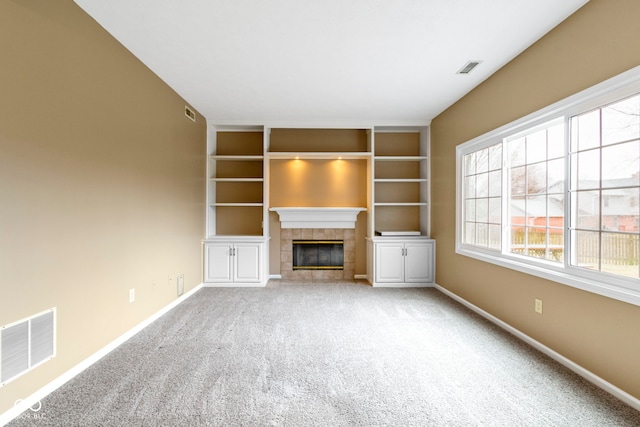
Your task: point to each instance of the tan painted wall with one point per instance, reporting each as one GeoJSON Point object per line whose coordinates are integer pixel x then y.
{"type": "Point", "coordinates": [101, 184]}
{"type": "Point", "coordinates": [599, 41]}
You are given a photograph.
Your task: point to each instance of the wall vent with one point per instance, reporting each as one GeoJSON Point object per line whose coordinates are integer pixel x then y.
{"type": "Point", "coordinates": [26, 344]}
{"type": "Point", "coordinates": [468, 67]}
{"type": "Point", "coordinates": [190, 113]}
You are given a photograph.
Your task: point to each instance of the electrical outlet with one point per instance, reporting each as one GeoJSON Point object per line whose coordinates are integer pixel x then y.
{"type": "Point", "coordinates": [180, 283]}
{"type": "Point", "coordinates": [132, 295]}
{"type": "Point", "coordinates": [538, 306]}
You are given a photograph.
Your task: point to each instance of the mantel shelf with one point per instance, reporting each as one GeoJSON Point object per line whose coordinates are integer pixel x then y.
{"type": "Point", "coordinates": [318, 155]}
{"type": "Point", "coordinates": [318, 217]}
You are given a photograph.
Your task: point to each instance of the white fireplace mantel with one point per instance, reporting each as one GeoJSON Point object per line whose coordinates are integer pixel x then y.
{"type": "Point", "coordinates": [305, 217]}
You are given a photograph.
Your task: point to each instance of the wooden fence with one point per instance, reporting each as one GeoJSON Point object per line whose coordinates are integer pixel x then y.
{"type": "Point", "coordinates": [617, 249]}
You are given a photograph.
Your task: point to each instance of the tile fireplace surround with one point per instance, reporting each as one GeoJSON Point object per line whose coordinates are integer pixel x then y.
{"type": "Point", "coordinates": [287, 235]}
{"type": "Point", "coordinates": [317, 223]}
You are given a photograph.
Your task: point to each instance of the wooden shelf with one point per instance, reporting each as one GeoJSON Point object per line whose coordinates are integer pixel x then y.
{"type": "Point", "coordinates": [400, 180]}
{"type": "Point", "coordinates": [318, 155]}
{"type": "Point", "coordinates": [238, 158]}
{"type": "Point", "coordinates": [399, 158]}
{"type": "Point", "coordinates": [237, 179]}
{"type": "Point", "coordinates": [237, 204]}
{"type": "Point", "coordinates": [400, 204]}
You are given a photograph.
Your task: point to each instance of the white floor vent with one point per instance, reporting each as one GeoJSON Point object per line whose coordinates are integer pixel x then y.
{"type": "Point", "coordinates": [26, 344]}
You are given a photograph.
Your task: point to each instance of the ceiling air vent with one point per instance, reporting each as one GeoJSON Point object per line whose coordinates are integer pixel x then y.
{"type": "Point", "coordinates": [190, 113]}
{"type": "Point", "coordinates": [468, 67]}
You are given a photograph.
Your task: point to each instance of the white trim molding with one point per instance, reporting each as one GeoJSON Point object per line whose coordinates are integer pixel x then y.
{"type": "Point", "coordinates": [568, 363]}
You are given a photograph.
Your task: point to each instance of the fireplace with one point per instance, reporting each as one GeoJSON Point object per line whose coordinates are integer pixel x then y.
{"type": "Point", "coordinates": [318, 254]}
{"type": "Point", "coordinates": [324, 224]}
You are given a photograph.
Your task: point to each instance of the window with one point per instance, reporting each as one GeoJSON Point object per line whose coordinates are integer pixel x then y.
{"type": "Point", "coordinates": [555, 194]}
{"type": "Point", "coordinates": [483, 195]}
{"type": "Point", "coordinates": [605, 184]}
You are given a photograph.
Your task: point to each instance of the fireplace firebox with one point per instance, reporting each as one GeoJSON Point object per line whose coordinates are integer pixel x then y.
{"type": "Point", "coordinates": [318, 254]}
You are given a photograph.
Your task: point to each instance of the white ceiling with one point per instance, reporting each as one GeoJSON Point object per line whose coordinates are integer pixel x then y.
{"type": "Point", "coordinates": [325, 62]}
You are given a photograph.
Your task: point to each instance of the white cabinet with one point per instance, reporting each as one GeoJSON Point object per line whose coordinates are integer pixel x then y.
{"type": "Point", "coordinates": [403, 262]}
{"type": "Point", "coordinates": [235, 263]}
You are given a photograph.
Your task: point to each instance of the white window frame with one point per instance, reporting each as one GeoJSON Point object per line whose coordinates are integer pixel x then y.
{"type": "Point", "coordinates": [612, 286]}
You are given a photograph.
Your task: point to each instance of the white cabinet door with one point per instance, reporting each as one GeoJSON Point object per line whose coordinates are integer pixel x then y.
{"type": "Point", "coordinates": [389, 262]}
{"type": "Point", "coordinates": [417, 262]}
{"type": "Point", "coordinates": [219, 265]}
{"type": "Point", "coordinates": [247, 262]}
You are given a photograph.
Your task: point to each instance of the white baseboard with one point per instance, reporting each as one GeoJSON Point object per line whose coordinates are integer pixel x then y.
{"type": "Point", "coordinates": [402, 285]}
{"type": "Point", "coordinates": [360, 277]}
{"type": "Point", "coordinates": [584, 373]}
{"type": "Point", "coordinates": [35, 398]}
{"type": "Point", "coordinates": [275, 276]}
{"type": "Point", "coordinates": [234, 285]}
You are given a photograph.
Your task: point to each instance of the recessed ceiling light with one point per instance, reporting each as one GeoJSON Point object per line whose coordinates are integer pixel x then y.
{"type": "Point", "coordinates": [468, 67]}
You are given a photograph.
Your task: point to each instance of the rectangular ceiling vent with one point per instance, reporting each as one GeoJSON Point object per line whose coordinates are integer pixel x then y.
{"type": "Point", "coordinates": [190, 113]}
{"type": "Point", "coordinates": [468, 67]}
{"type": "Point", "coordinates": [26, 344]}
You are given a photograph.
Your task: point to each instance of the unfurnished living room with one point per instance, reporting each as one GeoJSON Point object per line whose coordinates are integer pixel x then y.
{"type": "Point", "coordinates": [329, 213]}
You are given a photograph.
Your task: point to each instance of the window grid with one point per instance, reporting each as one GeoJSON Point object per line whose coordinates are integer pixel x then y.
{"type": "Point", "coordinates": [536, 193]}
{"type": "Point", "coordinates": [483, 198]}
{"type": "Point", "coordinates": [605, 188]}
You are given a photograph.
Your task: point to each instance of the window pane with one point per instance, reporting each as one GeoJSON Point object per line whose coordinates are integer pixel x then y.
{"type": "Point", "coordinates": [470, 164]}
{"type": "Point", "coordinates": [517, 152]}
{"type": "Point", "coordinates": [517, 240]}
{"type": "Point", "coordinates": [555, 210]}
{"type": "Point", "coordinates": [537, 178]}
{"type": "Point", "coordinates": [482, 235]}
{"type": "Point", "coordinates": [587, 210]}
{"type": "Point", "coordinates": [620, 254]}
{"type": "Point", "coordinates": [518, 180]}
{"type": "Point", "coordinates": [470, 233]}
{"type": "Point", "coordinates": [555, 141]}
{"type": "Point", "coordinates": [482, 185]}
{"type": "Point", "coordinates": [482, 160]}
{"type": "Point", "coordinates": [495, 210]}
{"type": "Point", "coordinates": [587, 134]}
{"type": "Point", "coordinates": [555, 176]}
{"type": "Point", "coordinates": [588, 169]}
{"type": "Point", "coordinates": [482, 210]}
{"type": "Point", "coordinates": [495, 183]}
{"type": "Point", "coordinates": [536, 146]}
{"type": "Point", "coordinates": [536, 210]}
{"type": "Point", "coordinates": [470, 210]}
{"type": "Point", "coordinates": [556, 244]}
{"type": "Point", "coordinates": [470, 187]}
{"type": "Point", "coordinates": [495, 236]}
{"type": "Point", "coordinates": [618, 210]}
{"type": "Point", "coordinates": [536, 242]}
{"type": "Point", "coordinates": [620, 165]}
{"type": "Point", "coordinates": [587, 249]}
{"type": "Point", "coordinates": [518, 208]}
{"type": "Point", "coordinates": [495, 157]}
{"type": "Point", "coordinates": [621, 121]}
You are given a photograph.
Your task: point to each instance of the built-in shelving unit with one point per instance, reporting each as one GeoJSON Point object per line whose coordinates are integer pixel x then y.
{"type": "Point", "coordinates": [236, 183]}
{"type": "Point", "coordinates": [401, 180]}
{"type": "Point", "coordinates": [386, 169]}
